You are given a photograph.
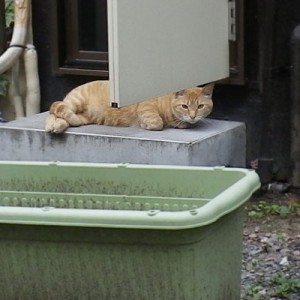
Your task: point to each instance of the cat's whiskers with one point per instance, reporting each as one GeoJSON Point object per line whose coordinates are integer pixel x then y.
{"type": "Point", "coordinates": [206, 121]}
{"type": "Point", "coordinates": [178, 123]}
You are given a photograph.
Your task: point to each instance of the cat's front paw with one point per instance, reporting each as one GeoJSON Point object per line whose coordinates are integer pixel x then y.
{"type": "Point", "coordinates": [154, 127]}
{"type": "Point", "coordinates": [55, 125]}
{"type": "Point", "coordinates": [74, 120]}
{"type": "Point", "coordinates": [151, 122]}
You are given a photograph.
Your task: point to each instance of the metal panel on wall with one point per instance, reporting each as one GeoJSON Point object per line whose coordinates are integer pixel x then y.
{"type": "Point", "coordinates": [158, 47]}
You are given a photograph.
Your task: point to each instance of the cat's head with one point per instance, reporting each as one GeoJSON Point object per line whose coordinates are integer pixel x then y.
{"type": "Point", "coordinates": [192, 105]}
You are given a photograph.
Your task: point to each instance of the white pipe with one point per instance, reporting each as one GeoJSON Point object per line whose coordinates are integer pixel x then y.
{"type": "Point", "coordinates": [32, 81]}
{"type": "Point", "coordinates": [33, 98]}
{"type": "Point", "coordinates": [18, 41]}
{"type": "Point", "coordinates": [15, 92]}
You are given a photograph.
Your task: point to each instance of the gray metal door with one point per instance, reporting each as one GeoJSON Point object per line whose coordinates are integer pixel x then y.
{"type": "Point", "coordinates": [161, 46]}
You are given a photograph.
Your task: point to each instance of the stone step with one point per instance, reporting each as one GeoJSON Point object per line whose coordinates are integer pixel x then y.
{"type": "Point", "coordinates": [212, 143]}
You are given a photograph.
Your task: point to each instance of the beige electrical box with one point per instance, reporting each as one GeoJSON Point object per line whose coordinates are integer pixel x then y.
{"type": "Point", "coordinates": [160, 46]}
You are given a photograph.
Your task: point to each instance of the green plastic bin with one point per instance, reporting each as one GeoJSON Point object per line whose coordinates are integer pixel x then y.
{"type": "Point", "coordinates": [121, 231]}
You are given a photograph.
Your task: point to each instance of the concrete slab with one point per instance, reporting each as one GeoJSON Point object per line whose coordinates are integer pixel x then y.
{"type": "Point", "coordinates": [212, 143]}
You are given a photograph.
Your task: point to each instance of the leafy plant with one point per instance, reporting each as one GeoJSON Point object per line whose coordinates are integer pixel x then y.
{"type": "Point", "coordinates": [284, 285]}
{"type": "Point", "coordinates": [262, 208]}
{"type": "Point", "coordinates": [9, 12]}
{"type": "Point", "coordinates": [253, 292]}
{"type": "Point", "coordinates": [4, 83]}
{"type": "Point", "coordinates": [9, 17]}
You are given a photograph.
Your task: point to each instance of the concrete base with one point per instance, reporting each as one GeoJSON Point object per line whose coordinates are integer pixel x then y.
{"type": "Point", "coordinates": [212, 143]}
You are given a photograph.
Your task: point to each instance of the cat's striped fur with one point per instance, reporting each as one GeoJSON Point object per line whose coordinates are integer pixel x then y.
{"type": "Point", "coordinates": [89, 104]}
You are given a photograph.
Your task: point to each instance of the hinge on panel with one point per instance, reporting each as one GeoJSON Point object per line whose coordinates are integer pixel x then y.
{"type": "Point", "coordinates": [232, 19]}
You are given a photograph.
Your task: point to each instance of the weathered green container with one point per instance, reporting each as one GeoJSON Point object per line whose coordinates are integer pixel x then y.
{"type": "Point", "coordinates": [112, 232]}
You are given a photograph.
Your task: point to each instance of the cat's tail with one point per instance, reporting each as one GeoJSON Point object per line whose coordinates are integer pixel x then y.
{"type": "Point", "coordinates": [56, 125]}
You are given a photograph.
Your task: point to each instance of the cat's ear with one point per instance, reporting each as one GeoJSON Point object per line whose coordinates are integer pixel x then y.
{"type": "Point", "coordinates": [180, 93]}
{"type": "Point", "coordinates": [207, 90]}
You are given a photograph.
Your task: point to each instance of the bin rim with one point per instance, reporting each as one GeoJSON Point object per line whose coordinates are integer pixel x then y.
{"type": "Point", "coordinates": [227, 201]}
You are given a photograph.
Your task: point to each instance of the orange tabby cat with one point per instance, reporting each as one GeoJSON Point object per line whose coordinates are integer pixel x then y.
{"type": "Point", "coordinates": [89, 104]}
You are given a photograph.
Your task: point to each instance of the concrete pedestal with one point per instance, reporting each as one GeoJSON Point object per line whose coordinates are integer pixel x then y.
{"type": "Point", "coordinates": [212, 143]}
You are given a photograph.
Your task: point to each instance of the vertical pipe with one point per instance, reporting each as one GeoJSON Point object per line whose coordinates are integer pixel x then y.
{"type": "Point", "coordinates": [295, 111]}
{"type": "Point", "coordinates": [18, 40]}
{"type": "Point", "coordinates": [33, 98]}
{"type": "Point", "coordinates": [32, 81]}
{"type": "Point", "coordinates": [15, 90]}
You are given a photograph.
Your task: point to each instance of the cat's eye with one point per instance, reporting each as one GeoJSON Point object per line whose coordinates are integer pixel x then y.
{"type": "Point", "coordinates": [184, 106]}
{"type": "Point", "coordinates": [200, 106]}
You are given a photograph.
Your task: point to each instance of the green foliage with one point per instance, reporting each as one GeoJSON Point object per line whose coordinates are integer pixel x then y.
{"type": "Point", "coordinates": [253, 292]}
{"type": "Point", "coordinates": [9, 17]}
{"type": "Point", "coordinates": [280, 286]}
{"type": "Point", "coordinates": [4, 84]}
{"type": "Point", "coordinates": [9, 12]}
{"type": "Point", "coordinates": [262, 209]}
{"type": "Point", "coordinates": [284, 285]}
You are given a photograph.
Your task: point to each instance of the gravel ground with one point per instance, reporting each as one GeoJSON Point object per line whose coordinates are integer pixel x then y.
{"type": "Point", "coordinates": [271, 257]}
